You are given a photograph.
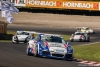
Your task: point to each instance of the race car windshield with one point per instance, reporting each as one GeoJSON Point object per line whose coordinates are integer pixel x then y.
{"type": "Point", "coordinates": [22, 33]}
{"type": "Point", "coordinates": [53, 39]}
{"type": "Point", "coordinates": [87, 28]}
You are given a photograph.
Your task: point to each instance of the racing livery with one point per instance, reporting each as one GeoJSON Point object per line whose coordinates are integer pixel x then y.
{"type": "Point", "coordinates": [51, 46]}
{"type": "Point", "coordinates": [80, 36]}
{"type": "Point", "coordinates": [21, 36]}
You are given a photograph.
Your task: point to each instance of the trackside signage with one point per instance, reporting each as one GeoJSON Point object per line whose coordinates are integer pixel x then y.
{"type": "Point", "coordinates": [19, 2]}
{"type": "Point", "coordinates": [38, 3]}
{"type": "Point", "coordinates": [81, 5]}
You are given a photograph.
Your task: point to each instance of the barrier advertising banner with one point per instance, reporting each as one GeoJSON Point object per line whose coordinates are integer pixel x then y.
{"type": "Point", "coordinates": [81, 5]}
{"type": "Point", "coordinates": [18, 2]}
{"type": "Point", "coordinates": [62, 4]}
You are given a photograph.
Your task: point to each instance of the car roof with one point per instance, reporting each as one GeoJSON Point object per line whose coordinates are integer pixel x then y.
{"type": "Point", "coordinates": [51, 35]}
{"type": "Point", "coordinates": [82, 27]}
{"type": "Point", "coordinates": [79, 32]}
{"type": "Point", "coordinates": [21, 31]}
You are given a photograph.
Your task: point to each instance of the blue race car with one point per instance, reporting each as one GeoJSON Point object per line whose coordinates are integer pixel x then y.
{"type": "Point", "coordinates": [51, 46]}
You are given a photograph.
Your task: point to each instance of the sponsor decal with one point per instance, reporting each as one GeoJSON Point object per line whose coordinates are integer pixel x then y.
{"type": "Point", "coordinates": [59, 3]}
{"type": "Point", "coordinates": [40, 3]}
{"type": "Point", "coordinates": [20, 2]}
{"type": "Point", "coordinates": [81, 5]}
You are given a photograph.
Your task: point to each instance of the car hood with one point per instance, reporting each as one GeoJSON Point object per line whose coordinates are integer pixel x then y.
{"type": "Point", "coordinates": [54, 44]}
{"type": "Point", "coordinates": [57, 47]}
{"type": "Point", "coordinates": [22, 36]}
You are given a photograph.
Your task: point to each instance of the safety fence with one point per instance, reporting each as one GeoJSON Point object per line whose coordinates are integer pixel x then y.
{"type": "Point", "coordinates": [3, 27]}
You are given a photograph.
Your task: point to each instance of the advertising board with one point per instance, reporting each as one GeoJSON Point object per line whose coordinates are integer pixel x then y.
{"type": "Point", "coordinates": [81, 5]}
{"type": "Point", "coordinates": [62, 4]}
{"type": "Point", "coordinates": [18, 2]}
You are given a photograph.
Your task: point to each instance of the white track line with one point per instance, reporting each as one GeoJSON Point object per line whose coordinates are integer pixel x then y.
{"type": "Point", "coordinates": [89, 43]}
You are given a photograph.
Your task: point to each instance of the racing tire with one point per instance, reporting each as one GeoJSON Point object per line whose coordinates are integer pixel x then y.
{"type": "Point", "coordinates": [89, 33]}
{"type": "Point", "coordinates": [28, 52]}
{"type": "Point", "coordinates": [26, 40]}
{"type": "Point", "coordinates": [88, 40]}
{"type": "Point", "coordinates": [17, 42]}
{"type": "Point", "coordinates": [93, 32]}
{"type": "Point", "coordinates": [13, 41]}
{"type": "Point", "coordinates": [80, 40]}
{"type": "Point", "coordinates": [67, 58]}
{"type": "Point", "coordinates": [71, 40]}
{"type": "Point", "coordinates": [36, 51]}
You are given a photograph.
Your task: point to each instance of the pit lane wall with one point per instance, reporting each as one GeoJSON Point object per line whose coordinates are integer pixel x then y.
{"type": "Point", "coordinates": [60, 4]}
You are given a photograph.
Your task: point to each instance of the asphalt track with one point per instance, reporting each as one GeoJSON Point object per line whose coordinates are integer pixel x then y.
{"type": "Point", "coordinates": [14, 55]}
{"type": "Point", "coordinates": [67, 31]}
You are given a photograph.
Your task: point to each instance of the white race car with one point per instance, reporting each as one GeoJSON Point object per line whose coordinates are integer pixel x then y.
{"type": "Point", "coordinates": [86, 30]}
{"type": "Point", "coordinates": [80, 36]}
{"type": "Point", "coordinates": [21, 36]}
{"type": "Point", "coordinates": [49, 45]}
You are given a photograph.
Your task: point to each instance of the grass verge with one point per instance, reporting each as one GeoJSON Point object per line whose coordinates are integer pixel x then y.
{"type": "Point", "coordinates": [88, 52]}
{"type": "Point", "coordinates": [5, 41]}
{"type": "Point", "coordinates": [66, 37]}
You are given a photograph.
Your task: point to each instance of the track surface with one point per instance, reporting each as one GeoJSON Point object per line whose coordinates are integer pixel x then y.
{"type": "Point", "coordinates": [14, 55]}
{"type": "Point", "coordinates": [67, 31]}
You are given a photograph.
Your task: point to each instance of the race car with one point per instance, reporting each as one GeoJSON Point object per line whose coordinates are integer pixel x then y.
{"type": "Point", "coordinates": [86, 30]}
{"type": "Point", "coordinates": [80, 36]}
{"type": "Point", "coordinates": [21, 36]}
{"type": "Point", "coordinates": [50, 46]}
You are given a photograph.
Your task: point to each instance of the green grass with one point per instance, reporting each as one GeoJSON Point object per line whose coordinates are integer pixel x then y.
{"type": "Point", "coordinates": [11, 32]}
{"type": "Point", "coordinates": [66, 37]}
{"type": "Point", "coordinates": [88, 52]}
{"type": "Point", "coordinates": [5, 40]}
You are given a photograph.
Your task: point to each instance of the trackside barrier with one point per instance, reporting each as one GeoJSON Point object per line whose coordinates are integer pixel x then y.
{"type": "Point", "coordinates": [3, 27]}
{"type": "Point", "coordinates": [69, 7]}
{"type": "Point", "coordinates": [64, 4]}
{"type": "Point", "coordinates": [59, 4]}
